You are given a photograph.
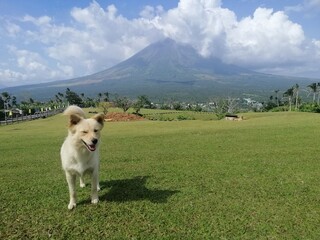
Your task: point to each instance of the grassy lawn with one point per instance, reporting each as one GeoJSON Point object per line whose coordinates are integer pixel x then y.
{"type": "Point", "coordinates": [253, 179]}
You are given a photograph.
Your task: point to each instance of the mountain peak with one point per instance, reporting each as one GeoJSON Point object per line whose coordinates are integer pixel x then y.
{"type": "Point", "coordinates": [163, 69]}
{"type": "Point", "coordinates": [170, 56]}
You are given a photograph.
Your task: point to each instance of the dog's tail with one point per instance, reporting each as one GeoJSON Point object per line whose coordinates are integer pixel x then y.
{"type": "Point", "coordinates": [72, 110]}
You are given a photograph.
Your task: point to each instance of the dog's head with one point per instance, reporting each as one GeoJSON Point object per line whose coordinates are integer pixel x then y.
{"type": "Point", "coordinates": [86, 131]}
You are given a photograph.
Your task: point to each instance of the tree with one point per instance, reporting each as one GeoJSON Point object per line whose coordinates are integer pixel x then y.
{"type": "Point", "coordinates": [14, 101]}
{"type": "Point", "coordinates": [232, 105]}
{"type": "Point", "coordinates": [61, 95]}
{"type": "Point", "coordinates": [123, 102]}
{"type": "Point", "coordinates": [1, 103]}
{"type": "Point", "coordinates": [99, 97]}
{"type": "Point", "coordinates": [318, 85]}
{"type": "Point", "coordinates": [197, 108]}
{"type": "Point", "coordinates": [5, 96]}
{"type": "Point", "coordinates": [277, 97]}
{"type": "Point", "coordinates": [220, 108]}
{"type": "Point", "coordinates": [177, 106]}
{"type": "Point", "coordinates": [73, 98]}
{"type": "Point", "coordinates": [89, 102]}
{"type": "Point", "coordinates": [314, 89]}
{"type": "Point", "coordinates": [105, 107]}
{"type": "Point", "coordinates": [271, 98]}
{"type": "Point", "coordinates": [106, 98]}
{"type": "Point", "coordinates": [296, 94]}
{"type": "Point", "coordinates": [289, 93]}
{"type": "Point", "coordinates": [141, 102]}
{"type": "Point", "coordinates": [6, 99]}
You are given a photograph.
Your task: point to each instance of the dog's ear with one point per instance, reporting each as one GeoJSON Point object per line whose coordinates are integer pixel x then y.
{"type": "Point", "coordinates": [74, 119]}
{"type": "Point", "coordinates": [99, 118]}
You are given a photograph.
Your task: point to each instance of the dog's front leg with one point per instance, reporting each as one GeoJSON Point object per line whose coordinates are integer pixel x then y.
{"type": "Point", "coordinates": [71, 179]}
{"type": "Point", "coordinates": [94, 188]}
{"type": "Point", "coordinates": [82, 183]}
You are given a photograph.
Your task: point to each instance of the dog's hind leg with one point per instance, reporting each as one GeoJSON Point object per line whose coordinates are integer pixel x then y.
{"type": "Point", "coordinates": [71, 179]}
{"type": "Point", "coordinates": [98, 185]}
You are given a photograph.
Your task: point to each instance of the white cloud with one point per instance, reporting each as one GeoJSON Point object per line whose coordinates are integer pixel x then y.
{"type": "Point", "coordinates": [317, 45]}
{"type": "Point", "coordinates": [31, 67]}
{"type": "Point", "coordinates": [150, 12]}
{"type": "Point", "coordinates": [28, 61]}
{"type": "Point", "coordinates": [97, 38]}
{"type": "Point", "coordinates": [41, 21]}
{"type": "Point", "coordinates": [12, 29]}
{"type": "Point", "coordinates": [12, 77]}
{"type": "Point", "coordinates": [267, 38]}
{"type": "Point", "coordinates": [67, 70]}
{"type": "Point", "coordinates": [203, 24]}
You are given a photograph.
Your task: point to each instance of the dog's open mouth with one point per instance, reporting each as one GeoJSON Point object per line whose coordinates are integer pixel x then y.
{"type": "Point", "coordinates": [91, 147]}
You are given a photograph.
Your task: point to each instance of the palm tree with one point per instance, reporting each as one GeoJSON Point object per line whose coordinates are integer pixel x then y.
{"type": "Point", "coordinates": [5, 96]}
{"type": "Point", "coordinates": [106, 94]}
{"type": "Point", "coordinates": [99, 97]}
{"type": "Point", "coordinates": [314, 89]}
{"type": "Point", "coordinates": [318, 84]}
{"type": "Point", "coordinates": [296, 93]}
{"type": "Point", "coordinates": [289, 93]}
{"type": "Point", "coordinates": [6, 99]}
{"type": "Point", "coordinates": [271, 98]}
{"type": "Point", "coordinates": [277, 97]}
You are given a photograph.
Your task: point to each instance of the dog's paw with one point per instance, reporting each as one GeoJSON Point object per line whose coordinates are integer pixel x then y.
{"type": "Point", "coordinates": [98, 188]}
{"type": "Point", "coordinates": [95, 201]}
{"type": "Point", "coordinates": [72, 206]}
{"type": "Point", "coordinates": [82, 185]}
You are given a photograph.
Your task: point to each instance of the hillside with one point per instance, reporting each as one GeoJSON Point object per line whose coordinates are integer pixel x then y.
{"type": "Point", "coordinates": [167, 70]}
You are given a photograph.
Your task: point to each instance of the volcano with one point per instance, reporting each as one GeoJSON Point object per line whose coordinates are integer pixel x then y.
{"type": "Point", "coordinates": [163, 70]}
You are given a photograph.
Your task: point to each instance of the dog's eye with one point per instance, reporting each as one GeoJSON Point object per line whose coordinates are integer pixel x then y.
{"type": "Point", "coordinates": [96, 130]}
{"type": "Point", "coordinates": [84, 131]}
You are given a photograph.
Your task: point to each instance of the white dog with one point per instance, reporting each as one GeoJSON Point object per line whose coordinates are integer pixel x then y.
{"type": "Point", "coordinates": [80, 151]}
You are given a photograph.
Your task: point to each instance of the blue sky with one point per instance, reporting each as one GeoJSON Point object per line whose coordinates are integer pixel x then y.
{"type": "Point", "coordinates": [46, 40]}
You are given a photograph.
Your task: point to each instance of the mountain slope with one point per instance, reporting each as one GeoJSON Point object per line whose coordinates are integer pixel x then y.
{"type": "Point", "coordinates": [167, 70]}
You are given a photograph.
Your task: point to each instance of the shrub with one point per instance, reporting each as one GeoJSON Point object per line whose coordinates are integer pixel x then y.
{"type": "Point", "coordinates": [184, 117]}
{"type": "Point", "coordinates": [310, 107]}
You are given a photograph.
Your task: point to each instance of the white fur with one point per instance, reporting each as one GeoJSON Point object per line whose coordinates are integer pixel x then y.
{"type": "Point", "coordinates": [80, 151]}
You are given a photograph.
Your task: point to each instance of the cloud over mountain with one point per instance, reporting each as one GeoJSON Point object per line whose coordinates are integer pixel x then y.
{"type": "Point", "coordinates": [97, 37]}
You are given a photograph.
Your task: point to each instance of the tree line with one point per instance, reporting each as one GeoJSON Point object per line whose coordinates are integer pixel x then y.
{"type": "Point", "coordinates": [289, 100]}
{"type": "Point", "coordinates": [69, 97]}
{"type": "Point", "coordinates": [293, 99]}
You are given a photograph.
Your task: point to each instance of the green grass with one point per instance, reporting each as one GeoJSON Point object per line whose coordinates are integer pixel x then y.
{"type": "Point", "coordinates": [178, 115]}
{"type": "Point", "coordinates": [254, 179]}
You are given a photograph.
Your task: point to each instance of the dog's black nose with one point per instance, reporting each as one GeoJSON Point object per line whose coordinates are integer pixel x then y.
{"type": "Point", "coordinates": [94, 141]}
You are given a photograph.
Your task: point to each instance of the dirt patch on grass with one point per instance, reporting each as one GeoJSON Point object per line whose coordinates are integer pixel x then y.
{"type": "Point", "coordinates": [122, 117]}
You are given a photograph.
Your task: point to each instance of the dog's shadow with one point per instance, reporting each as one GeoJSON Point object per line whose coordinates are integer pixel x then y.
{"type": "Point", "coordinates": [134, 189]}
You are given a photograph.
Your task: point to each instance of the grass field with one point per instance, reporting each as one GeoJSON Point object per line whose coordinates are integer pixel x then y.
{"type": "Point", "coordinates": [253, 179]}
